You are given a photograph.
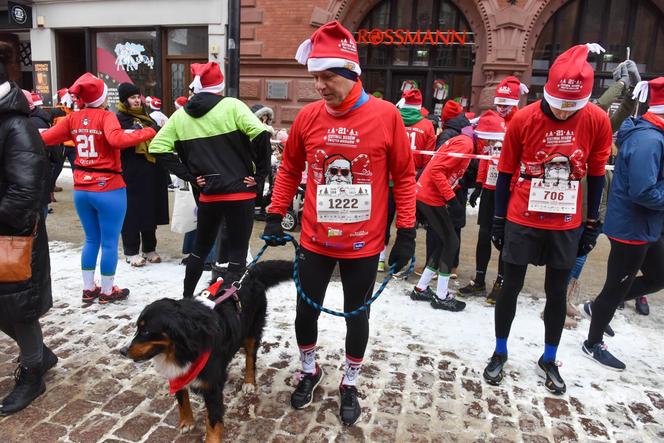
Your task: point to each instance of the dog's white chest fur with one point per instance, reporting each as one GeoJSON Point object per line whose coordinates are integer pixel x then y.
{"type": "Point", "coordinates": [168, 369]}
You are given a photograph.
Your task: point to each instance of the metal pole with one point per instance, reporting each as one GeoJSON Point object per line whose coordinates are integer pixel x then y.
{"type": "Point", "coordinates": [233, 50]}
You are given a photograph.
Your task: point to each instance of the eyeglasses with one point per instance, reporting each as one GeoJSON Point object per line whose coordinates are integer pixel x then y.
{"type": "Point", "coordinates": [339, 171]}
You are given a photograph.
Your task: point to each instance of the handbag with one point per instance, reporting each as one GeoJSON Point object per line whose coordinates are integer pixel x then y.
{"type": "Point", "coordinates": [16, 257]}
{"type": "Point", "coordinates": [184, 211]}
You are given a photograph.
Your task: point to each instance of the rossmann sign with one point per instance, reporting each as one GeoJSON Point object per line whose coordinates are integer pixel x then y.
{"type": "Point", "coordinates": [407, 37]}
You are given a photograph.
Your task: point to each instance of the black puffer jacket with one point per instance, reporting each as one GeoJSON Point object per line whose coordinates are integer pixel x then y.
{"type": "Point", "coordinates": [23, 172]}
{"type": "Point", "coordinates": [451, 128]}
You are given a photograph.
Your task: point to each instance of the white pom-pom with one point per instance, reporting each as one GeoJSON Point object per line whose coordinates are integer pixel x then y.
{"type": "Point", "coordinates": [66, 100]}
{"type": "Point", "coordinates": [401, 102]}
{"type": "Point", "coordinates": [196, 85]}
{"type": "Point", "coordinates": [595, 48]}
{"type": "Point", "coordinates": [641, 91]}
{"type": "Point", "coordinates": [206, 301]}
{"type": "Point", "coordinates": [303, 52]}
{"type": "Point", "coordinates": [524, 89]}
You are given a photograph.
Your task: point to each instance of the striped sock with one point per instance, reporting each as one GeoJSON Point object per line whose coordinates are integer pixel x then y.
{"type": "Point", "coordinates": [308, 358]}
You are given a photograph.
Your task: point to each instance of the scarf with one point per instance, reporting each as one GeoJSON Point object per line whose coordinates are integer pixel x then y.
{"type": "Point", "coordinates": [177, 383]}
{"type": "Point", "coordinates": [355, 98]}
{"type": "Point", "coordinates": [410, 116]}
{"type": "Point", "coordinates": [654, 119]}
{"type": "Point", "coordinates": [140, 118]}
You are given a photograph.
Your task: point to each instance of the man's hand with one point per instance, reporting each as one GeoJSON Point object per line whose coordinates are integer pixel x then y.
{"type": "Point", "coordinates": [200, 181]}
{"type": "Point", "coordinates": [250, 181]}
{"type": "Point", "coordinates": [588, 240]}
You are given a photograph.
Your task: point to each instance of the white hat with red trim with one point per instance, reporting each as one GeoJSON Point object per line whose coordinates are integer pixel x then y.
{"type": "Point", "coordinates": [92, 90]}
{"type": "Point", "coordinates": [490, 126]}
{"type": "Point", "coordinates": [509, 91]}
{"type": "Point", "coordinates": [331, 46]}
{"type": "Point", "coordinates": [180, 101]}
{"type": "Point", "coordinates": [654, 88]}
{"type": "Point", "coordinates": [207, 78]}
{"type": "Point", "coordinates": [411, 98]}
{"type": "Point", "coordinates": [571, 78]}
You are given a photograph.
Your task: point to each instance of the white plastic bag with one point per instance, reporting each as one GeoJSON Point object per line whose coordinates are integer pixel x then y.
{"type": "Point", "coordinates": [184, 212]}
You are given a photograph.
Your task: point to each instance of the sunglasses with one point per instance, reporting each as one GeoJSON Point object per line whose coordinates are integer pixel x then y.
{"type": "Point", "coordinates": [339, 171]}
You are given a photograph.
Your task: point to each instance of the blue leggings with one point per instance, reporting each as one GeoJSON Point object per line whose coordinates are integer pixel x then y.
{"type": "Point", "coordinates": [102, 215]}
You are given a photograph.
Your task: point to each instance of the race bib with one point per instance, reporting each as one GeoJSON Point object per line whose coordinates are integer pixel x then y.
{"type": "Point", "coordinates": [343, 203]}
{"type": "Point", "coordinates": [553, 196]}
{"type": "Point", "coordinates": [491, 175]}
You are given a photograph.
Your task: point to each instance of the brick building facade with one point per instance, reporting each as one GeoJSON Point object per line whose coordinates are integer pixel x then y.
{"type": "Point", "coordinates": [506, 37]}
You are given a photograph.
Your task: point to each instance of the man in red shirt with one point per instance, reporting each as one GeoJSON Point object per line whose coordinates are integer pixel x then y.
{"type": "Point", "coordinates": [552, 144]}
{"type": "Point", "coordinates": [350, 143]}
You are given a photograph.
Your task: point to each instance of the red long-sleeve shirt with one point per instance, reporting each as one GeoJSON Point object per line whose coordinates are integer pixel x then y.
{"type": "Point", "coordinates": [361, 147]}
{"type": "Point", "coordinates": [422, 138]}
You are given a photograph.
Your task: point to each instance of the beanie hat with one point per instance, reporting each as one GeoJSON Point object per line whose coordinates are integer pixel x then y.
{"type": "Point", "coordinates": [571, 77]}
{"type": "Point", "coordinates": [207, 78]}
{"type": "Point", "coordinates": [331, 46]}
{"type": "Point", "coordinates": [412, 98]}
{"type": "Point", "coordinates": [64, 98]}
{"type": "Point", "coordinates": [154, 103]}
{"type": "Point", "coordinates": [180, 102]}
{"type": "Point", "coordinates": [90, 89]}
{"type": "Point", "coordinates": [508, 91]}
{"type": "Point", "coordinates": [451, 110]}
{"type": "Point", "coordinates": [36, 99]}
{"type": "Point", "coordinates": [490, 126]}
{"type": "Point", "coordinates": [654, 88]}
{"type": "Point", "coordinates": [262, 110]}
{"type": "Point", "coordinates": [126, 90]}
{"type": "Point", "coordinates": [28, 97]}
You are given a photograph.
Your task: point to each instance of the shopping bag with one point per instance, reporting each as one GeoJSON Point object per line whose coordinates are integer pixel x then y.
{"type": "Point", "coordinates": [184, 211]}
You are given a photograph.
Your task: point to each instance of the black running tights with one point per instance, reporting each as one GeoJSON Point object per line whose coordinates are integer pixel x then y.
{"type": "Point", "coordinates": [358, 276]}
{"type": "Point", "coordinates": [621, 282]}
{"type": "Point", "coordinates": [555, 288]}
{"type": "Point", "coordinates": [439, 220]}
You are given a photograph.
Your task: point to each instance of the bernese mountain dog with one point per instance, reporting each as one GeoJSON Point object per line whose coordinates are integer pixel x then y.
{"type": "Point", "coordinates": [192, 343]}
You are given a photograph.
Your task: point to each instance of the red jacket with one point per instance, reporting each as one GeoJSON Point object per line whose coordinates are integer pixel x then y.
{"type": "Point", "coordinates": [422, 138]}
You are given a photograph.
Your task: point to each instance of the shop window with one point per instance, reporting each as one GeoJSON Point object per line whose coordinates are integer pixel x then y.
{"type": "Point", "coordinates": [188, 41]}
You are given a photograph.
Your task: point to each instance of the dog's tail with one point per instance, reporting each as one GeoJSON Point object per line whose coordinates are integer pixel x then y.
{"type": "Point", "coordinates": [273, 272]}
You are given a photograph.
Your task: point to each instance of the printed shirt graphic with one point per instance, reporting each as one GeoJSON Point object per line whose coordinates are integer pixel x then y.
{"type": "Point", "coordinates": [361, 149]}
{"type": "Point", "coordinates": [487, 172]}
{"type": "Point", "coordinates": [537, 146]}
{"type": "Point", "coordinates": [422, 138]}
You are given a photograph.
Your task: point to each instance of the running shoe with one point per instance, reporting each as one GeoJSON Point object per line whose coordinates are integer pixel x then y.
{"type": "Point", "coordinates": [90, 295]}
{"type": "Point", "coordinates": [152, 257]}
{"type": "Point", "coordinates": [448, 304]}
{"type": "Point", "coordinates": [473, 289]}
{"type": "Point", "coordinates": [117, 294]}
{"type": "Point", "coordinates": [381, 266]}
{"type": "Point", "coordinates": [599, 353]}
{"type": "Point", "coordinates": [135, 260]}
{"type": "Point", "coordinates": [549, 371]}
{"type": "Point", "coordinates": [493, 295]}
{"type": "Point", "coordinates": [588, 311]}
{"type": "Point", "coordinates": [641, 305]}
{"type": "Point", "coordinates": [303, 394]}
{"type": "Point", "coordinates": [422, 295]}
{"type": "Point", "coordinates": [350, 410]}
{"type": "Point", "coordinates": [493, 373]}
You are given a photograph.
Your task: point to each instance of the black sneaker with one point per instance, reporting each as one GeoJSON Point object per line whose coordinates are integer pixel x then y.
{"type": "Point", "coordinates": [350, 407]}
{"type": "Point", "coordinates": [473, 289]}
{"type": "Point", "coordinates": [425, 295]}
{"type": "Point", "coordinates": [588, 311]}
{"type": "Point", "coordinates": [641, 305]}
{"type": "Point", "coordinates": [303, 394]}
{"type": "Point", "coordinates": [493, 373]}
{"type": "Point", "coordinates": [553, 381]}
{"type": "Point", "coordinates": [600, 354]}
{"type": "Point", "coordinates": [448, 304]}
{"type": "Point", "coordinates": [493, 295]}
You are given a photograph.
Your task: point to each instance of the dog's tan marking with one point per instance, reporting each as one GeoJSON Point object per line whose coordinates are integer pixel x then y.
{"type": "Point", "coordinates": [250, 362]}
{"type": "Point", "coordinates": [186, 415]}
{"type": "Point", "coordinates": [214, 433]}
{"type": "Point", "coordinates": [138, 350]}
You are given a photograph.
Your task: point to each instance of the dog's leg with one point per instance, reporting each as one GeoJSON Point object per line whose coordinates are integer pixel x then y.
{"type": "Point", "coordinates": [250, 365]}
{"type": "Point", "coordinates": [214, 403]}
{"type": "Point", "coordinates": [186, 416]}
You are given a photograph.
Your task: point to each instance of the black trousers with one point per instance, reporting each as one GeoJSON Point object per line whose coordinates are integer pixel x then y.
{"type": "Point", "coordinates": [239, 219]}
{"type": "Point", "coordinates": [391, 213]}
{"type": "Point", "coordinates": [132, 241]}
{"type": "Point", "coordinates": [439, 220]}
{"type": "Point", "coordinates": [358, 276]}
{"type": "Point", "coordinates": [28, 337]}
{"type": "Point", "coordinates": [622, 283]}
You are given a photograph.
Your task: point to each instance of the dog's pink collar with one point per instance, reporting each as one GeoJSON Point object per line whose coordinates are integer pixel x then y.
{"type": "Point", "coordinates": [177, 383]}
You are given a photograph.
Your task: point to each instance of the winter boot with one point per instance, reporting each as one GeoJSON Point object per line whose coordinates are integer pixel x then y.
{"type": "Point", "coordinates": [29, 385]}
{"type": "Point", "coordinates": [49, 359]}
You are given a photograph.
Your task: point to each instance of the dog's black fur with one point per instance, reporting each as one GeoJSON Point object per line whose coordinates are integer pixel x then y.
{"type": "Point", "coordinates": [181, 330]}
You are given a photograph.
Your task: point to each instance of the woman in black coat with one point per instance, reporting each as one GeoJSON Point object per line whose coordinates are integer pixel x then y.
{"type": "Point", "coordinates": [23, 177]}
{"type": "Point", "coordinates": [147, 184]}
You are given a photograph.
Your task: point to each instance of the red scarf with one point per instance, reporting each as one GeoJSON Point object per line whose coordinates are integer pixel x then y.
{"type": "Point", "coordinates": [654, 119]}
{"type": "Point", "coordinates": [350, 100]}
{"type": "Point", "coordinates": [177, 383]}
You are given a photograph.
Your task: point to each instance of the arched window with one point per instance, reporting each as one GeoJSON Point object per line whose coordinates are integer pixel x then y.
{"type": "Point", "coordinates": [616, 25]}
{"type": "Point", "coordinates": [445, 57]}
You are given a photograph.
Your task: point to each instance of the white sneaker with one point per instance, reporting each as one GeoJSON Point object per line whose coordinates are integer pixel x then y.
{"type": "Point", "coordinates": [152, 257]}
{"type": "Point", "coordinates": [135, 260]}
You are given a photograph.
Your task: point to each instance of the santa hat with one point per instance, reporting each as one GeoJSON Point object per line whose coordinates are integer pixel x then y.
{"type": "Point", "coordinates": [508, 91]}
{"type": "Point", "coordinates": [571, 78]}
{"type": "Point", "coordinates": [207, 78]}
{"type": "Point", "coordinates": [451, 110]}
{"type": "Point", "coordinates": [90, 89]}
{"type": "Point", "coordinates": [490, 126]}
{"type": "Point", "coordinates": [654, 88]}
{"type": "Point", "coordinates": [154, 103]}
{"type": "Point", "coordinates": [36, 99]}
{"type": "Point", "coordinates": [331, 46]}
{"type": "Point", "coordinates": [180, 102]}
{"type": "Point", "coordinates": [28, 97]}
{"type": "Point", "coordinates": [64, 98]}
{"type": "Point", "coordinates": [411, 98]}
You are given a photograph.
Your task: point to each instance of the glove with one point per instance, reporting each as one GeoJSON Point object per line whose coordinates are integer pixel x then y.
{"type": "Point", "coordinates": [474, 196]}
{"type": "Point", "coordinates": [633, 71]}
{"type": "Point", "coordinates": [273, 234]}
{"type": "Point", "coordinates": [454, 207]}
{"type": "Point", "coordinates": [403, 249]}
{"type": "Point", "coordinates": [588, 239]}
{"type": "Point", "coordinates": [621, 74]}
{"type": "Point", "coordinates": [498, 233]}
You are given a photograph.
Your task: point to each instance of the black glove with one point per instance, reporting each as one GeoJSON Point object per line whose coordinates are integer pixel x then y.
{"type": "Point", "coordinates": [403, 249]}
{"type": "Point", "coordinates": [633, 71]}
{"type": "Point", "coordinates": [498, 233]}
{"type": "Point", "coordinates": [273, 234]}
{"type": "Point", "coordinates": [474, 196]}
{"type": "Point", "coordinates": [454, 206]}
{"type": "Point", "coordinates": [620, 73]}
{"type": "Point", "coordinates": [588, 239]}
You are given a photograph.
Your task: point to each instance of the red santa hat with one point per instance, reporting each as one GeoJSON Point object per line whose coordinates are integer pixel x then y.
{"type": "Point", "coordinates": [451, 110]}
{"type": "Point", "coordinates": [90, 89]}
{"type": "Point", "coordinates": [64, 98]}
{"type": "Point", "coordinates": [36, 99]}
{"type": "Point", "coordinates": [571, 77]}
{"type": "Point", "coordinates": [154, 103]}
{"type": "Point", "coordinates": [509, 91]}
{"type": "Point", "coordinates": [331, 46]}
{"type": "Point", "coordinates": [411, 98]}
{"type": "Point", "coordinates": [180, 102]}
{"type": "Point", "coordinates": [654, 88]}
{"type": "Point", "coordinates": [490, 126]}
{"type": "Point", "coordinates": [28, 97]}
{"type": "Point", "coordinates": [207, 78]}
